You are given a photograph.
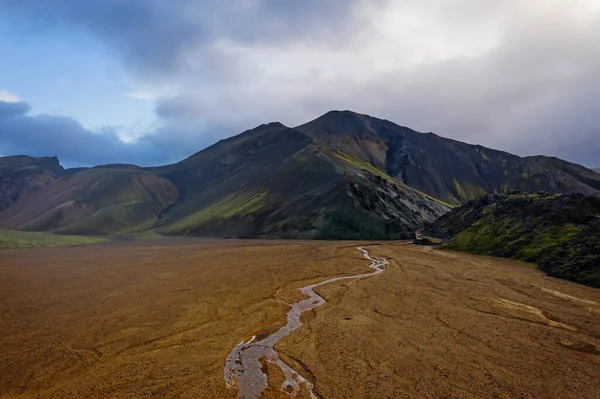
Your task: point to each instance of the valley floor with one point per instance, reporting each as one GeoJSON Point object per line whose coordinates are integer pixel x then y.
{"type": "Point", "coordinates": [158, 318]}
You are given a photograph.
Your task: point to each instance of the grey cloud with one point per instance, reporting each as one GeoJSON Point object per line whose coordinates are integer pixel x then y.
{"type": "Point", "coordinates": [158, 36]}
{"type": "Point", "coordinates": [44, 135]}
{"type": "Point", "coordinates": [179, 107]}
{"type": "Point", "coordinates": [9, 110]}
{"type": "Point", "coordinates": [149, 33]}
{"type": "Point", "coordinates": [533, 94]}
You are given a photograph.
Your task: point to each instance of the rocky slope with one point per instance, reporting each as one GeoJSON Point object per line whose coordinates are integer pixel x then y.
{"type": "Point", "coordinates": [21, 175]}
{"type": "Point", "coordinates": [560, 233]}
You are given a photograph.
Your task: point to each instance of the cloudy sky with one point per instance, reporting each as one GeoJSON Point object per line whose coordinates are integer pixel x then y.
{"type": "Point", "coordinates": [153, 81]}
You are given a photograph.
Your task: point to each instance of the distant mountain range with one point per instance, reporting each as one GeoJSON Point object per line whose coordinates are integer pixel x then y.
{"type": "Point", "coordinates": [343, 175]}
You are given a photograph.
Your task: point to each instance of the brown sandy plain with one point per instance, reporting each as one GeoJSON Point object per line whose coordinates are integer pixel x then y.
{"type": "Point", "coordinates": [157, 318]}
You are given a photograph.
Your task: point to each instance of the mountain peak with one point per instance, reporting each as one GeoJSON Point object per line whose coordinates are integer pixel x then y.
{"type": "Point", "coordinates": [275, 125]}
{"type": "Point", "coordinates": [337, 115]}
{"type": "Point", "coordinates": [340, 112]}
{"type": "Point", "coordinates": [338, 123]}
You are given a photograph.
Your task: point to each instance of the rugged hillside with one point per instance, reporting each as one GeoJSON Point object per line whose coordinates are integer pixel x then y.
{"type": "Point", "coordinates": [597, 170]}
{"type": "Point", "coordinates": [274, 181]}
{"type": "Point", "coordinates": [448, 170]}
{"type": "Point", "coordinates": [560, 233]}
{"type": "Point", "coordinates": [93, 201]}
{"type": "Point", "coordinates": [343, 175]}
{"type": "Point", "coordinates": [21, 175]}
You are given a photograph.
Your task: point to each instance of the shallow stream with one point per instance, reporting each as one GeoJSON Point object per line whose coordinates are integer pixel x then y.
{"type": "Point", "coordinates": [243, 365]}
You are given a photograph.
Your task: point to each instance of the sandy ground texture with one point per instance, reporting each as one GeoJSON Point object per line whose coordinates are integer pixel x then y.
{"type": "Point", "coordinates": [157, 318]}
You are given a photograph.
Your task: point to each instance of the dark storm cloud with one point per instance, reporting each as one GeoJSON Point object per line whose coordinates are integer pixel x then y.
{"type": "Point", "coordinates": [151, 33]}
{"type": "Point", "coordinates": [46, 135]}
{"type": "Point", "coordinates": [157, 35]}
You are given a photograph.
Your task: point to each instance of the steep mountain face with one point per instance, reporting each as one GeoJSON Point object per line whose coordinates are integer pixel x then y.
{"type": "Point", "coordinates": [93, 201]}
{"type": "Point", "coordinates": [21, 175]}
{"type": "Point", "coordinates": [448, 170]}
{"type": "Point", "coordinates": [560, 233]}
{"type": "Point", "coordinates": [274, 181]}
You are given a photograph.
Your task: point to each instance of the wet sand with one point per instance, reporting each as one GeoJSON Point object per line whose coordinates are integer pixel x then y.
{"type": "Point", "coordinates": [158, 319]}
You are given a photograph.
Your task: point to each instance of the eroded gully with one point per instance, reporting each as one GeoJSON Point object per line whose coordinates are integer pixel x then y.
{"type": "Point", "coordinates": [243, 367]}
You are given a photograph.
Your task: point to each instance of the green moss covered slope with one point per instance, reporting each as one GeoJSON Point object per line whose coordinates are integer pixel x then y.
{"type": "Point", "coordinates": [560, 233]}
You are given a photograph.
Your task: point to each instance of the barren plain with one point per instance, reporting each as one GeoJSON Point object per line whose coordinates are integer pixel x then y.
{"type": "Point", "coordinates": [158, 318]}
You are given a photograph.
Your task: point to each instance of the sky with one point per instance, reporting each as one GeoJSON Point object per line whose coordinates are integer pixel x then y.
{"type": "Point", "coordinates": [153, 81]}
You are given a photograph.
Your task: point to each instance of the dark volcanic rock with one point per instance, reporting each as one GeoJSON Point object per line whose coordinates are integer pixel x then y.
{"type": "Point", "coordinates": [424, 241]}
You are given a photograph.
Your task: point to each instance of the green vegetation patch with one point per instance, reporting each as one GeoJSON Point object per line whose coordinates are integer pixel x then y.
{"type": "Point", "coordinates": [237, 205]}
{"type": "Point", "coordinates": [23, 239]}
{"type": "Point", "coordinates": [467, 191]}
{"type": "Point", "coordinates": [560, 233]}
{"type": "Point", "coordinates": [123, 218]}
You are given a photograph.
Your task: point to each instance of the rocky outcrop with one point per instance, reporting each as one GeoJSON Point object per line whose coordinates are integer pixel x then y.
{"type": "Point", "coordinates": [22, 175]}
{"type": "Point", "coordinates": [392, 201]}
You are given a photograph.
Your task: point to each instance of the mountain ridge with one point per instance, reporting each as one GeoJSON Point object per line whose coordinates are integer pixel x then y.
{"type": "Point", "coordinates": [341, 175]}
{"type": "Point", "coordinates": [446, 169]}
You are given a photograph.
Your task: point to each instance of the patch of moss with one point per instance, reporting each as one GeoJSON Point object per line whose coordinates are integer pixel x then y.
{"type": "Point", "coordinates": [237, 205]}
{"type": "Point", "coordinates": [561, 233]}
{"type": "Point", "coordinates": [459, 190]}
{"type": "Point", "coordinates": [468, 191]}
{"type": "Point", "coordinates": [121, 218]}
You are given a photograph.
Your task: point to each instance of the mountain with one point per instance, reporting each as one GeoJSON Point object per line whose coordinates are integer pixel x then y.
{"type": "Point", "coordinates": [448, 170]}
{"type": "Point", "coordinates": [560, 233]}
{"type": "Point", "coordinates": [21, 175]}
{"type": "Point", "coordinates": [342, 176]}
{"type": "Point", "coordinates": [273, 181]}
{"type": "Point", "coordinates": [597, 170]}
{"type": "Point", "coordinates": [93, 201]}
